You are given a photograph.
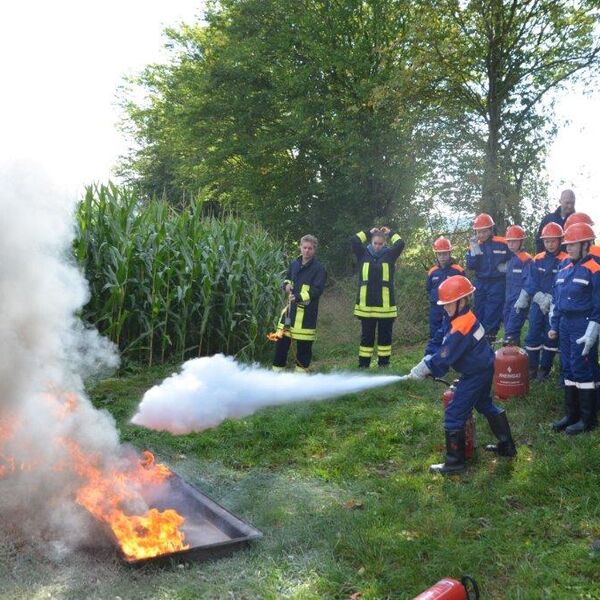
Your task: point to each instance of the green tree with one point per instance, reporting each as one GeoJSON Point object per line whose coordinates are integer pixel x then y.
{"type": "Point", "coordinates": [307, 114]}
{"type": "Point", "coordinates": [499, 64]}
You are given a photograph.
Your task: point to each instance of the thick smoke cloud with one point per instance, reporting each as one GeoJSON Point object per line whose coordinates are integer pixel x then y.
{"type": "Point", "coordinates": [45, 353]}
{"type": "Point", "coordinates": [211, 389]}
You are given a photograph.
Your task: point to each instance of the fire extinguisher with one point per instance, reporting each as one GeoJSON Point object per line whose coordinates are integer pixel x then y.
{"type": "Point", "coordinates": [451, 589]}
{"type": "Point", "coordinates": [470, 433]}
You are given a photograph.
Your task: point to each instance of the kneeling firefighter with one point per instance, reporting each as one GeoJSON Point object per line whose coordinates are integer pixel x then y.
{"type": "Point", "coordinates": [462, 344]}
{"type": "Point", "coordinates": [375, 303]}
{"type": "Point", "coordinates": [304, 284]}
{"type": "Point", "coordinates": [575, 320]}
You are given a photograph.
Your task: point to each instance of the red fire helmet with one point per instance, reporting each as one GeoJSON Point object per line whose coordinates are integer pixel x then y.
{"type": "Point", "coordinates": [580, 232]}
{"type": "Point", "coordinates": [514, 233]}
{"type": "Point", "coordinates": [454, 288]}
{"type": "Point", "coordinates": [552, 230]}
{"type": "Point", "coordinates": [483, 221]}
{"type": "Point", "coordinates": [442, 244]}
{"type": "Point", "coordinates": [578, 217]}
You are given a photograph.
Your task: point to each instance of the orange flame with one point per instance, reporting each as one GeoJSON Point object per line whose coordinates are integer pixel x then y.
{"type": "Point", "coordinates": [114, 495]}
{"type": "Point", "coordinates": [106, 497]}
{"type": "Point", "coordinates": [276, 335]}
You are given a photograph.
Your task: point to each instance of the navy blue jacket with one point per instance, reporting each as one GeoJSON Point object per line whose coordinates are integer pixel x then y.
{"type": "Point", "coordinates": [495, 252]}
{"type": "Point", "coordinates": [516, 274]}
{"type": "Point", "coordinates": [437, 275]}
{"type": "Point", "coordinates": [577, 292]}
{"type": "Point", "coordinates": [543, 272]}
{"type": "Point", "coordinates": [461, 345]}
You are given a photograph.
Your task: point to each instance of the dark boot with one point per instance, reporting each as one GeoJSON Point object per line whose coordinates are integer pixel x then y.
{"type": "Point", "coordinates": [364, 362]}
{"type": "Point", "coordinates": [455, 454]}
{"type": "Point", "coordinates": [501, 429]}
{"type": "Point", "coordinates": [587, 412]}
{"type": "Point", "coordinates": [533, 372]}
{"type": "Point", "coordinates": [571, 409]}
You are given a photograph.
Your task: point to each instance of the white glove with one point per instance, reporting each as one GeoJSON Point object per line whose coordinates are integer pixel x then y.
{"type": "Point", "coordinates": [543, 302]}
{"type": "Point", "coordinates": [420, 371]}
{"type": "Point", "coordinates": [522, 301]}
{"type": "Point", "coordinates": [589, 337]}
{"type": "Point", "coordinates": [551, 313]}
{"type": "Point", "coordinates": [501, 267]}
{"type": "Point", "coordinates": [475, 248]}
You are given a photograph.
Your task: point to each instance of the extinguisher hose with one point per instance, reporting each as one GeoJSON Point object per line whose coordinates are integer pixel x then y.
{"type": "Point", "coordinates": [469, 582]}
{"type": "Point", "coordinates": [441, 380]}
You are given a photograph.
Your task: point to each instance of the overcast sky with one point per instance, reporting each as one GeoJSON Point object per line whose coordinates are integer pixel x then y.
{"type": "Point", "coordinates": [62, 61]}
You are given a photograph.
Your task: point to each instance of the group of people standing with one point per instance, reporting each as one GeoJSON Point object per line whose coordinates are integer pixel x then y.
{"type": "Point", "coordinates": [557, 290]}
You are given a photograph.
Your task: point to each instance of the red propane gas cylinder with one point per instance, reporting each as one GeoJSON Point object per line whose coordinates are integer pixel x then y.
{"type": "Point", "coordinates": [450, 589]}
{"type": "Point", "coordinates": [511, 372]}
{"type": "Point", "coordinates": [470, 438]}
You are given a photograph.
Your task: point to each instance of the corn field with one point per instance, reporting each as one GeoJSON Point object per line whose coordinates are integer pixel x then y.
{"type": "Point", "coordinates": [168, 284]}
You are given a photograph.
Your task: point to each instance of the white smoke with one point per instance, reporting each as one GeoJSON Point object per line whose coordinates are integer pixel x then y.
{"type": "Point", "coordinates": [45, 353]}
{"type": "Point", "coordinates": [211, 389]}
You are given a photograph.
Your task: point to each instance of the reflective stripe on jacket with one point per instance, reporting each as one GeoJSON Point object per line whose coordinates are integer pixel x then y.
{"type": "Point", "coordinates": [375, 297]}
{"type": "Point", "coordinates": [308, 281]}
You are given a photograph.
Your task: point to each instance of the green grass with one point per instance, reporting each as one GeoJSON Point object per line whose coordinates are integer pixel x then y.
{"type": "Point", "coordinates": [342, 492]}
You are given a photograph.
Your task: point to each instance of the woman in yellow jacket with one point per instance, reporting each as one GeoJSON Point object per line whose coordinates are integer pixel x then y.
{"type": "Point", "coordinates": [375, 302]}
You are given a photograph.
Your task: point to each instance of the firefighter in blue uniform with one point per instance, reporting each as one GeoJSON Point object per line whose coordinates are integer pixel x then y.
{"type": "Point", "coordinates": [516, 272]}
{"type": "Point", "coordinates": [538, 287]}
{"type": "Point", "coordinates": [445, 267]}
{"type": "Point", "coordinates": [304, 284]}
{"type": "Point", "coordinates": [375, 302]}
{"type": "Point", "coordinates": [464, 347]}
{"type": "Point", "coordinates": [487, 256]}
{"type": "Point", "coordinates": [576, 322]}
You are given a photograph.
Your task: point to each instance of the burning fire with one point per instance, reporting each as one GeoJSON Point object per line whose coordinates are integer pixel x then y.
{"type": "Point", "coordinates": [112, 495]}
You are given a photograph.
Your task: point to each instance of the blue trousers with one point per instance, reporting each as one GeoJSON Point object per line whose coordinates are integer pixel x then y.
{"type": "Point", "coordinates": [513, 322]}
{"type": "Point", "coordinates": [577, 370]}
{"type": "Point", "coordinates": [436, 316]}
{"type": "Point", "coordinates": [537, 341]}
{"type": "Point", "coordinates": [472, 392]}
{"type": "Point", "coordinates": [489, 303]}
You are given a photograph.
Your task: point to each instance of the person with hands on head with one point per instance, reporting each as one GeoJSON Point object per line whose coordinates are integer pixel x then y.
{"type": "Point", "coordinates": [575, 321]}
{"type": "Point", "coordinates": [487, 256]}
{"type": "Point", "coordinates": [517, 299]}
{"type": "Point", "coordinates": [375, 301]}
{"type": "Point", "coordinates": [445, 267]}
{"type": "Point", "coordinates": [463, 346]}
{"type": "Point", "coordinates": [538, 286]}
{"type": "Point", "coordinates": [304, 284]}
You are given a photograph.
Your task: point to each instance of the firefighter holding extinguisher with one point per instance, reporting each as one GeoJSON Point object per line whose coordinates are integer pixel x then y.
{"type": "Point", "coordinates": [462, 345]}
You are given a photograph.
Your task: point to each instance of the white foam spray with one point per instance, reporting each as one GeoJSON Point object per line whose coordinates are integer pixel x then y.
{"type": "Point", "coordinates": [211, 389]}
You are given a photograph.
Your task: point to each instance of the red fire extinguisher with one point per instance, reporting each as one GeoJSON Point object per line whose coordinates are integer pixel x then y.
{"type": "Point", "coordinates": [511, 372]}
{"type": "Point", "coordinates": [450, 589]}
{"type": "Point", "coordinates": [470, 434]}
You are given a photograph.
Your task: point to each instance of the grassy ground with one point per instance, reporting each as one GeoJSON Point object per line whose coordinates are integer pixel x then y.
{"type": "Point", "coordinates": [348, 509]}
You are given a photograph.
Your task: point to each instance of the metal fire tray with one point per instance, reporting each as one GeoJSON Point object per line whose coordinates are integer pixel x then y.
{"type": "Point", "coordinates": [210, 530]}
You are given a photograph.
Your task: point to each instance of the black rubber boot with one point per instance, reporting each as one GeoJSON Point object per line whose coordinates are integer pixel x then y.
{"type": "Point", "coordinates": [501, 429]}
{"type": "Point", "coordinates": [587, 412]}
{"type": "Point", "coordinates": [455, 454]}
{"type": "Point", "coordinates": [571, 409]}
{"type": "Point", "coordinates": [533, 371]}
{"type": "Point", "coordinates": [364, 362]}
